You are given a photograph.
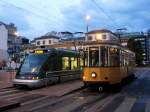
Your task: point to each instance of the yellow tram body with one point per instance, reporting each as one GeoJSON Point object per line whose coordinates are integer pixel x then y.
{"type": "Point", "coordinates": [118, 65]}
{"type": "Point", "coordinates": [104, 75]}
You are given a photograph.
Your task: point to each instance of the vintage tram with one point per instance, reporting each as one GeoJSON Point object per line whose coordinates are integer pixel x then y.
{"type": "Point", "coordinates": [107, 63]}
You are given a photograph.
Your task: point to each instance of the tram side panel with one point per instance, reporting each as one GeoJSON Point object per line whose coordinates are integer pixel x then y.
{"type": "Point", "coordinates": [103, 75]}
{"type": "Point", "coordinates": [108, 75]}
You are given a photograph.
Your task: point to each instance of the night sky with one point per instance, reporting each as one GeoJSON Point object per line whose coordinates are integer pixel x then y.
{"type": "Point", "coordinates": [34, 18]}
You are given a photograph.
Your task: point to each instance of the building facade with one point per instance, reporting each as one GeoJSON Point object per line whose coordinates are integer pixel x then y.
{"type": "Point", "coordinates": [15, 43]}
{"type": "Point", "coordinates": [46, 40]}
{"type": "Point", "coordinates": [100, 35]}
{"type": "Point", "coordinates": [137, 36]}
{"type": "Point", "coordinates": [3, 44]}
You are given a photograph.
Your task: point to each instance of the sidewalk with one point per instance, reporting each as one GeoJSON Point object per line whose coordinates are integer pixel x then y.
{"type": "Point", "coordinates": [6, 79]}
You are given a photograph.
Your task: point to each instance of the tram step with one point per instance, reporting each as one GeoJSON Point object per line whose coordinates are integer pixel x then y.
{"type": "Point", "coordinates": [6, 105]}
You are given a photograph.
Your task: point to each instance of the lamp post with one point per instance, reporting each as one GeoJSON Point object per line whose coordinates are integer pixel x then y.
{"type": "Point", "coordinates": [87, 18]}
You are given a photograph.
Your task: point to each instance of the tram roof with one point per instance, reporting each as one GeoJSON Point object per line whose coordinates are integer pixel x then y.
{"type": "Point", "coordinates": [94, 44]}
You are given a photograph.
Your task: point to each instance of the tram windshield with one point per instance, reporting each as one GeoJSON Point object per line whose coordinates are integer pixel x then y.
{"type": "Point", "coordinates": [33, 63]}
{"type": "Point", "coordinates": [103, 56]}
{"type": "Point", "coordinates": [98, 56]}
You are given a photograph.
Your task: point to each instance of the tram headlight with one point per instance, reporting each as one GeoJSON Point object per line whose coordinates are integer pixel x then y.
{"type": "Point", "coordinates": [35, 78]}
{"type": "Point", "coordinates": [84, 78]}
{"type": "Point", "coordinates": [93, 75]}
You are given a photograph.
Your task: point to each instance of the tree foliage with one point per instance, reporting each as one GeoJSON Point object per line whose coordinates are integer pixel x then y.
{"type": "Point", "coordinates": [136, 47]}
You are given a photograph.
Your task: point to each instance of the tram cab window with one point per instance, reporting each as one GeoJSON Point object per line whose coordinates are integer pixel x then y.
{"type": "Point", "coordinates": [94, 57]}
{"type": "Point", "coordinates": [114, 57]}
{"type": "Point", "coordinates": [65, 63]}
{"type": "Point", "coordinates": [104, 56]}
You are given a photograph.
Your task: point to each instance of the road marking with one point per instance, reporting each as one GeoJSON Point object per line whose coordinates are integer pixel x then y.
{"type": "Point", "coordinates": [126, 105]}
{"type": "Point", "coordinates": [139, 105]}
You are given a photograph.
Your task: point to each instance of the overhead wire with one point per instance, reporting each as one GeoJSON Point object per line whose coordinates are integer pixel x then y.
{"type": "Point", "coordinates": [46, 13]}
{"type": "Point", "coordinates": [31, 12]}
{"type": "Point", "coordinates": [103, 11]}
{"type": "Point", "coordinates": [108, 16]}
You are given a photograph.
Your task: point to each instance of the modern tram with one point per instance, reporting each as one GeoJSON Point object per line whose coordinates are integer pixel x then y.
{"type": "Point", "coordinates": [47, 66]}
{"type": "Point", "coordinates": [107, 64]}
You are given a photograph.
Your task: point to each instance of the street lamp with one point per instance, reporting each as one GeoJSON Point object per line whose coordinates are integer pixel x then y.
{"type": "Point", "coordinates": [87, 18]}
{"type": "Point", "coordinates": [16, 33]}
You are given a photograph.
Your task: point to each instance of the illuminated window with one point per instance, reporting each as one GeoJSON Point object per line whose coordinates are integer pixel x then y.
{"type": "Point", "coordinates": [74, 65]}
{"type": "Point", "coordinates": [65, 63]}
{"type": "Point", "coordinates": [81, 62]}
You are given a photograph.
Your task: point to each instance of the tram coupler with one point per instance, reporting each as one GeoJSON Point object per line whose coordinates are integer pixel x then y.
{"type": "Point", "coordinates": [100, 88]}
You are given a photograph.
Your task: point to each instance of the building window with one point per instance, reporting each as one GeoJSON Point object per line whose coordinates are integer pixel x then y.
{"type": "Point", "coordinates": [89, 37]}
{"type": "Point", "coordinates": [104, 37]}
{"type": "Point", "coordinates": [50, 41]}
{"type": "Point", "coordinates": [38, 42]}
{"type": "Point", "coordinates": [43, 42]}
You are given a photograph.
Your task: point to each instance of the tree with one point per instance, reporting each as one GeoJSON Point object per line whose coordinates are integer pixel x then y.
{"type": "Point", "coordinates": [136, 47]}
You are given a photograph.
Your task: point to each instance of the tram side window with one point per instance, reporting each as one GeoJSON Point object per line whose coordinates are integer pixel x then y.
{"type": "Point", "coordinates": [131, 60]}
{"type": "Point", "coordinates": [93, 57]}
{"type": "Point", "coordinates": [65, 63]}
{"type": "Point", "coordinates": [114, 57]}
{"type": "Point", "coordinates": [104, 56]}
{"type": "Point", "coordinates": [81, 59]}
{"type": "Point", "coordinates": [126, 59]}
{"type": "Point", "coordinates": [74, 63]}
{"type": "Point", "coordinates": [85, 59]}
{"type": "Point", "coordinates": [122, 58]}
{"type": "Point", "coordinates": [81, 63]}
{"type": "Point", "coordinates": [49, 66]}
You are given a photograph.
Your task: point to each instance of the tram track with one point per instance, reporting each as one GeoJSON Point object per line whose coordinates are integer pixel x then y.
{"type": "Point", "coordinates": [76, 101]}
{"type": "Point", "coordinates": [61, 100]}
{"type": "Point", "coordinates": [72, 102]}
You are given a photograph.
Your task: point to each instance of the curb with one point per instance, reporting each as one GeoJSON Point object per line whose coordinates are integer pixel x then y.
{"type": "Point", "coordinates": [6, 105]}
